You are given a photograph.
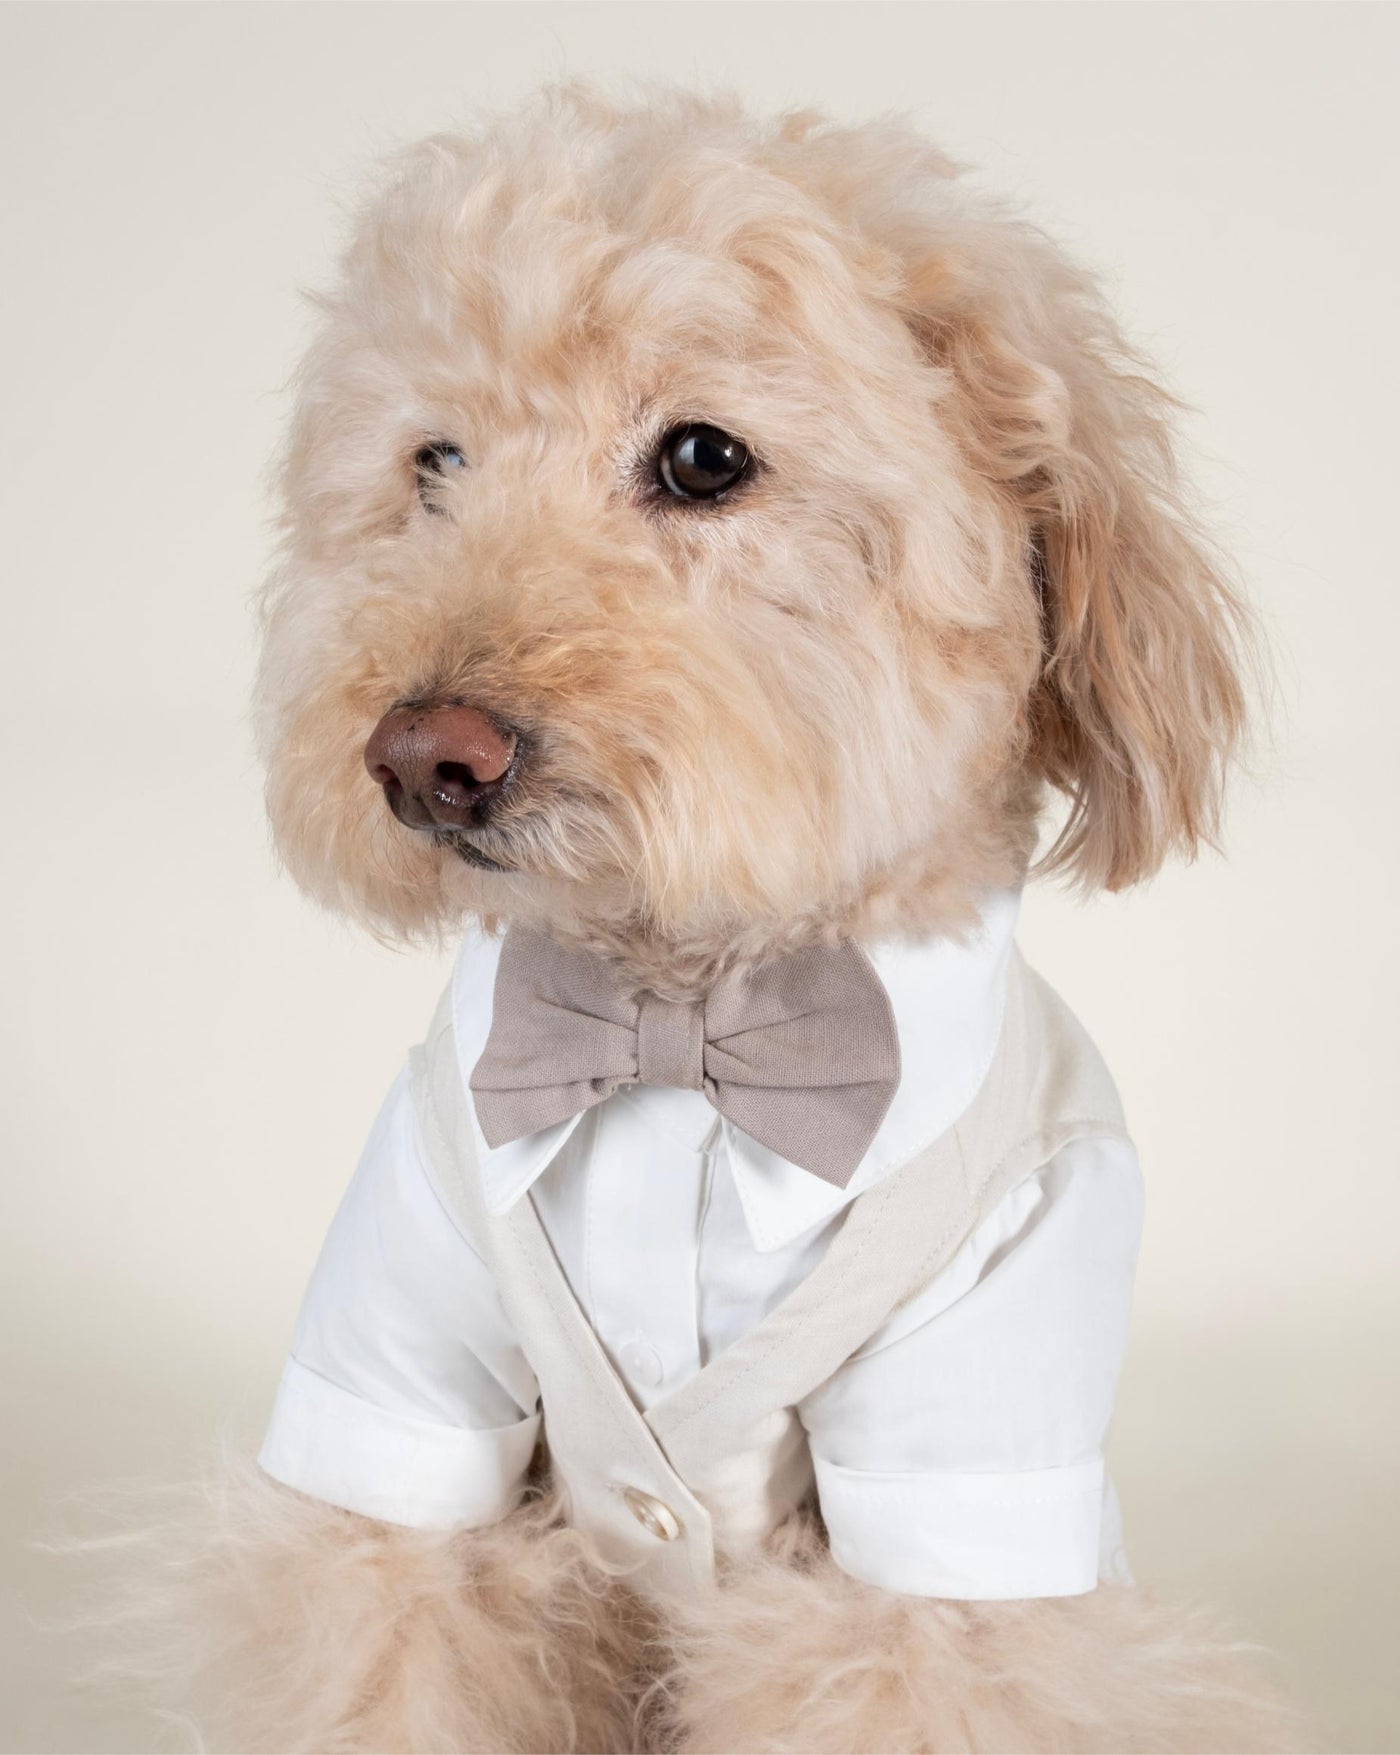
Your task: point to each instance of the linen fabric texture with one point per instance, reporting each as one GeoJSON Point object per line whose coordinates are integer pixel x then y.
{"type": "Point", "coordinates": [932, 1350]}
{"type": "Point", "coordinates": [801, 1053]}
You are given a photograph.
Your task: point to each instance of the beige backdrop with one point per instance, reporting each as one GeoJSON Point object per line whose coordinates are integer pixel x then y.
{"type": "Point", "coordinates": [192, 1055]}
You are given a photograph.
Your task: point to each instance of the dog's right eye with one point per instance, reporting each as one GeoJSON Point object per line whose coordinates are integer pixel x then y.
{"type": "Point", "coordinates": [430, 464]}
{"type": "Point", "coordinates": [699, 462]}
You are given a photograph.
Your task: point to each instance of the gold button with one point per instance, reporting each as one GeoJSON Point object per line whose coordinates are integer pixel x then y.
{"type": "Point", "coordinates": [655, 1518]}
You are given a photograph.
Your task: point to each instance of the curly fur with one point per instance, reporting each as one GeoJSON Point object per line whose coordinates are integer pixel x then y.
{"type": "Point", "coordinates": [963, 567]}
{"type": "Point", "coordinates": [263, 1622]}
{"type": "Point", "coordinates": [794, 1655]}
{"type": "Point", "coordinates": [259, 1620]}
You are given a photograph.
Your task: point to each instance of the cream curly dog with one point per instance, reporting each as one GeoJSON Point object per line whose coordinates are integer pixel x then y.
{"type": "Point", "coordinates": [719, 539]}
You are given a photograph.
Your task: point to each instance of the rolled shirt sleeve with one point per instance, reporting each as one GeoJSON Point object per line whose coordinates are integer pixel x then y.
{"type": "Point", "coordinates": [959, 1453]}
{"type": "Point", "coordinates": [406, 1397]}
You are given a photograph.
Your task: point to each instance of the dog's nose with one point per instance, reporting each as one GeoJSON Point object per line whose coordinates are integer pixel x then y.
{"type": "Point", "coordinates": [440, 767]}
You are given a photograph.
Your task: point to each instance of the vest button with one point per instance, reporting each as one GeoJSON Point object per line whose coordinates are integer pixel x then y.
{"type": "Point", "coordinates": [655, 1518]}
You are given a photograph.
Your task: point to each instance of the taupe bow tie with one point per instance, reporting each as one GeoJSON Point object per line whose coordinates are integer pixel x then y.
{"type": "Point", "coordinates": [801, 1053]}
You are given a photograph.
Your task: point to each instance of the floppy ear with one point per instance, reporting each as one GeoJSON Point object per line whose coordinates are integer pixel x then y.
{"type": "Point", "coordinates": [1139, 704]}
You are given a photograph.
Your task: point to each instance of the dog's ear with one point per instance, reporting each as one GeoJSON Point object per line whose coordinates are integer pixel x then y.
{"type": "Point", "coordinates": [1140, 703]}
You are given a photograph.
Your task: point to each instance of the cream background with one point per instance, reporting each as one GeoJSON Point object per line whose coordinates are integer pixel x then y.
{"type": "Point", "coordinates": [192, 1055]}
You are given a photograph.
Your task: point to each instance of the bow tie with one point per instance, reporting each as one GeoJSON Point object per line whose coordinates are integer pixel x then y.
{"type": "Point", "coordinates": [801, 1053]}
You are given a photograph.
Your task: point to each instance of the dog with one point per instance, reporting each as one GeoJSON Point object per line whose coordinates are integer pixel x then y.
{"type": "Point", "coordinates": [711, 544]}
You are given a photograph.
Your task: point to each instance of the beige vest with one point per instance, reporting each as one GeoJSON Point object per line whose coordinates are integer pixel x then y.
{"type": "Point", "coordinates": [625, 1473]}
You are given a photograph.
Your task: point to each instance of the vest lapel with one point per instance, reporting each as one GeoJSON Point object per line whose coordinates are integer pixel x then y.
{"type": "Point", "coordinates": [605, 1458]}
{"type": "Point", "coordinates": [1041, 1090]}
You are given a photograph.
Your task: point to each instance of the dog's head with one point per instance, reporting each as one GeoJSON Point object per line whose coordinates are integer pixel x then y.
{"type": "Point", "coordinates": [700, 534]}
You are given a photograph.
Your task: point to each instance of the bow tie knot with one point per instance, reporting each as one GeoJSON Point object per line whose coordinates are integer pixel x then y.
{"type": "Point", "coordinates": [801, 1053]}
{"type": "Point", "coordinates": [670, 1043]}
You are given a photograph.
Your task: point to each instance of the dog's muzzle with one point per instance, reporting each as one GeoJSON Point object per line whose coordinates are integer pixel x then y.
{"type": "Point", "coordinates": [441, 767]}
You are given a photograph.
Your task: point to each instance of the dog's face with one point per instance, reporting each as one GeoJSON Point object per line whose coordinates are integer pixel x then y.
{"type": "Point", "coordinates": [674, 538]}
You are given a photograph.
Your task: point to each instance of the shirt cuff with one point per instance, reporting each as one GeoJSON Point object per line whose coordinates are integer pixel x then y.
{"type": "Point", "coordinates": [979, 1538]}
{"type": "Point", "coordinates": [335, 1447]}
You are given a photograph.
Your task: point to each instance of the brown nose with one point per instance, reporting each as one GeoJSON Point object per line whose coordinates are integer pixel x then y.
{"type": "Point", "coordinates": [440, 767]}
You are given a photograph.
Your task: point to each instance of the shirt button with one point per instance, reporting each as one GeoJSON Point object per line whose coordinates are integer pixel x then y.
{"type": "Point", "coordinates": [655, 1518]}
{"type": "Point", "coordinates": [641, 1363]}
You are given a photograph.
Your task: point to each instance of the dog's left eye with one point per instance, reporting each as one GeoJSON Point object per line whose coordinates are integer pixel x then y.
{"type": "Point", "coordinates": [430, 464]}
{"type": "Point", "coordinates": [699, 462]}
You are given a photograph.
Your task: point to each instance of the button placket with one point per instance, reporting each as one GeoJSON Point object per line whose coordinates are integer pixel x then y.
{"type": "Point", "coordinates": [645, 1193]}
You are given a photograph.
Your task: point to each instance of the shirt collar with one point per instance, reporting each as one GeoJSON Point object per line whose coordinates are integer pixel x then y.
{"type": "Point", "coordinates": [947, 1000]}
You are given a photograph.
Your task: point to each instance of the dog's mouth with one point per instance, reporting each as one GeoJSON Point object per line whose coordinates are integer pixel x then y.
{"type": "Point", "coordinates": [457, 841]}
{"type": "Point", "coordinates": [535, 837]}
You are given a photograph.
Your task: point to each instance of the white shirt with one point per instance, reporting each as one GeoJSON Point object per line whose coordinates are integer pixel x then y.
{"type": "Point", "coordinates": [958, 1453]}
